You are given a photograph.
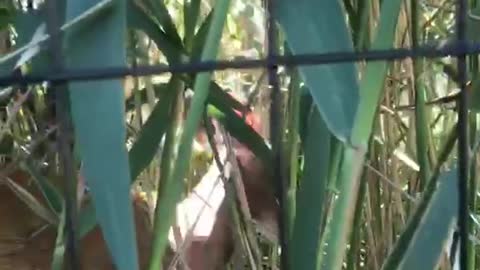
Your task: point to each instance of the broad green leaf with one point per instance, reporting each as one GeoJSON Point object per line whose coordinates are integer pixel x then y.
{"type": "Point", "coordinates": [434, 227]}
{"type": "Point", "coordinates": [404, 241]}
{"type": "Point", "coordinates": [305, 241]}
{"type": "Point", "coordinates": [87, 220]}
{"type": "Point", "coordinates": [31, 52]}
{"type": "Point", "coordinates": [334, 87]}
{"type": "Point", "coordinates": [371, 87]}
{"type": "Point", "coordinates": [306, 107]}
{"type": "Point", "coordinates": [26, 23]}
{"type": "Point", "coordinates": [98, 119]}
{"type": "Point", "coordinates": [353, 158]}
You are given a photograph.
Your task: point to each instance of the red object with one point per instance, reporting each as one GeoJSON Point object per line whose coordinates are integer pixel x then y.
{"type": "Point", "coordinates": [252, 119]}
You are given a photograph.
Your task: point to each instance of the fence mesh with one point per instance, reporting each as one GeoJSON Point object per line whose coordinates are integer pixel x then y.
{"type": "Point", "coordinates": [459, 48]}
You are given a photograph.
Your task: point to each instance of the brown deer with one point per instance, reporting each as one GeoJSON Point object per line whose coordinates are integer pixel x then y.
{"type": "Point", "coordinates": [215, 250]}
{"type": "Point", "coordinates": [27, 241]}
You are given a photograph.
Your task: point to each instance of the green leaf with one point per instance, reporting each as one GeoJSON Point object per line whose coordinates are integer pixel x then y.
{"type": "Point", "coordinates": [334, 87]}
{"type": "Point", "coordinates": [146, 145]}
{"type": "Point", "coordinates": [200, 37]}
{"type": "Point", "coordinates": [305, 241]}
{"type": "Point", "coordinates": [404, 241]}
{"type": "Point", "coordinates": [25, 24]}
{"type": "Point", "coordinates": [100, 132]}
{"type": "Point", "coordinates": [53, 197]}
{"type": "Point", "coordinates": [139, 19]}
{"type": "Point", "coordinates": [434, 226]}
{"type": "Point", "coordinates": [59, 251]}
{"type": "Point", "coordinates": [353, 157]}
{"type": "Point", "coordinates": [191, 12]}
{"type": "Point", "coordinates": [160, 14]}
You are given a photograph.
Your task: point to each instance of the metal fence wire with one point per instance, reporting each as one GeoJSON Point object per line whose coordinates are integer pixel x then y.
{"type": "Point", "coordinates": [58, 76]}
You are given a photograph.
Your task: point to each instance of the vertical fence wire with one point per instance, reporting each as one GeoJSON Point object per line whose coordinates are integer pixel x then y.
{"type": "Point", "coordinates": [63, 135]}
{"type": "Point", "coordinates": [276, 123]}
{"type": "Point", "coordinates": [463, 147]}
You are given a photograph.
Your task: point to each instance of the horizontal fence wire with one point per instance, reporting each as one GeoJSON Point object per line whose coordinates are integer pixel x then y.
{"type": "Point", "coordinates": [452, 49]}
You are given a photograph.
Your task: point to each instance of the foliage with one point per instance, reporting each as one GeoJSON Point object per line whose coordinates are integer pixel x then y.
{"type": "Point", "coordinates": [369, 181]}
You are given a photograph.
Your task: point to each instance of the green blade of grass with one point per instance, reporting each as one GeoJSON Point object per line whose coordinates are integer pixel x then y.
{"type": "Point", "coordinates": [434, 226]}
{"type": "Point", "coordinates": [167, 161]}
{"type": "Point", "coordinates": [398, 253]}
{"type": "Point", "coordinates": [98, 118]}
{"type": "Point", "coordinates": [160, 13]}
{"type": "Point", "coordinates": [292, 148]}
{"type": "Point", "coordinates": [306, 235]}
{"type": "Point", "coordinates": [146, 145]}
{"type": "Point", "coordinates": [59, 251]}
{"type": "Point", "coordinates": [201, 88]}
{"type": "Point", "coordinates": [191, 12]}
{"type": "Point", "coordinates": [51, 194]}
{"type": "Point", "coordinates": [352, 166]}
{"type": "Point", "coordinates": [421, 116]}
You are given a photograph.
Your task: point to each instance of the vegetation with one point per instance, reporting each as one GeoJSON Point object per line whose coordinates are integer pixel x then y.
{"type": "Point", "coordinates": [368, 148]}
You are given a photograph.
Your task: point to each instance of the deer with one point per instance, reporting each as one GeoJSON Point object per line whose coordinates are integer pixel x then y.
{"type": "Point", "coordinates": [27, 241]}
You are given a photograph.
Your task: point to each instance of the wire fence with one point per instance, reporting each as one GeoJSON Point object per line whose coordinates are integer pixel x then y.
{"type": "Point", "coordinates": [459, 48]}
